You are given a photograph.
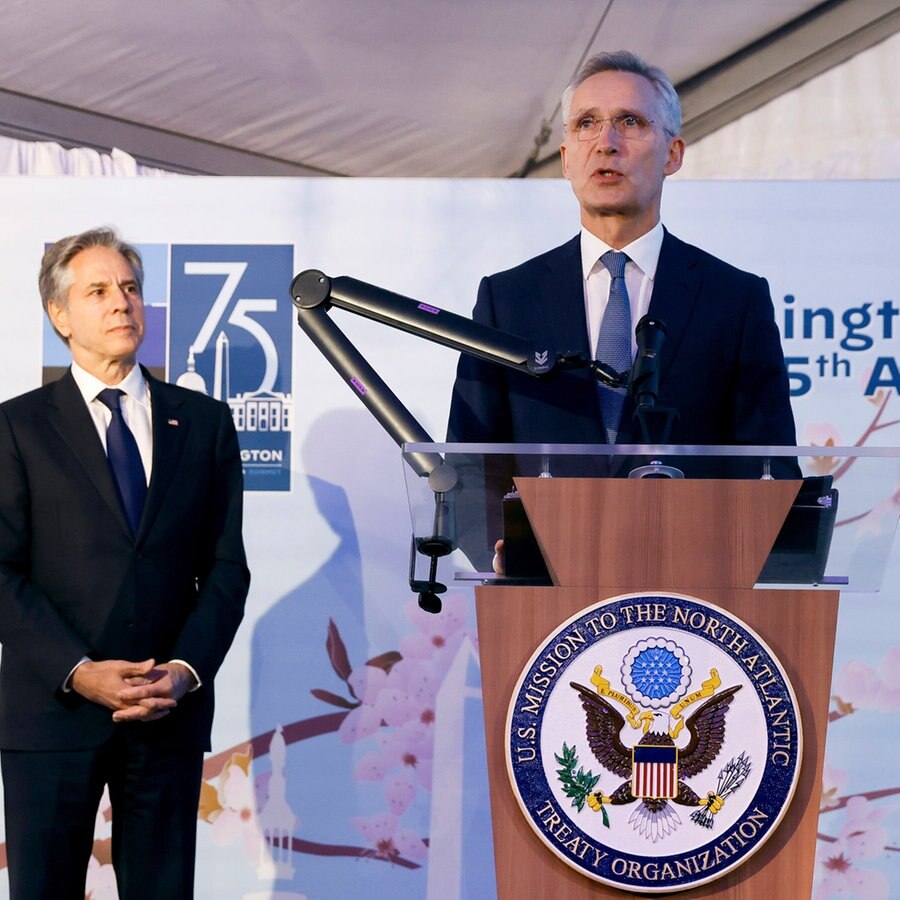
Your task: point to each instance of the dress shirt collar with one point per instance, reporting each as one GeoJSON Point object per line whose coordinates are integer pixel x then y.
{"type": "Point", "coordinates": [133, 384]}
{"type": "Point", "coordinates": [643, 252]}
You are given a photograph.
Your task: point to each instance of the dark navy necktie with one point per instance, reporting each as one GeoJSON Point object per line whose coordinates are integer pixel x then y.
{"type": "Point", "coordinates": [614, 342]}
{"type": "Point", "coordinates": [124, 459]}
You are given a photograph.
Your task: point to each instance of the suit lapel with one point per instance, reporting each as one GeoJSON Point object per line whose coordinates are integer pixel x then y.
{"type": "Point", "coordinates": [675, 290]}
{"type": "Point", "coordinates": [561, 302]}
{"type": "Point", "coordinates": [170, 429]}
{"type": "Point", "coordinates": [68, 415]}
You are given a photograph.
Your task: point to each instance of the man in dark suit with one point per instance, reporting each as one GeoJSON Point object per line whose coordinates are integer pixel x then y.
{"type": "Point", "coordinates": [122, 583]}
{"type": "Point", "coordinates": [722, 367]}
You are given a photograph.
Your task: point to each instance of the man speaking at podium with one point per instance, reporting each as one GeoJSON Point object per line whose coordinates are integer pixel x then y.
{"type": "Point", "coordinates": [721, 367]}
{"type": "Point", "coordinates": [122, 583]}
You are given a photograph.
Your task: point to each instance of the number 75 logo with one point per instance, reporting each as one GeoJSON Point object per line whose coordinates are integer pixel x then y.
{"type": "Point", "coordinates": [236, 296]}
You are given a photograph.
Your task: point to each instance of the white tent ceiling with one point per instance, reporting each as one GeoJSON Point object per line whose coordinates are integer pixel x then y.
{"type": "Point", "coordinates": [442, 88]}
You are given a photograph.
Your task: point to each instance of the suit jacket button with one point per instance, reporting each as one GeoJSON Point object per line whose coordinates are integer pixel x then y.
{"type": "Point", "coordinates": [129, 623]}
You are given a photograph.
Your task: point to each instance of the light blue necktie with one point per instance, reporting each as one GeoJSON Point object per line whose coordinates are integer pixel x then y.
{"type": "Point", "coordinates": [124, 459]}
{"type": "Point", "coordinates": [614, 342]}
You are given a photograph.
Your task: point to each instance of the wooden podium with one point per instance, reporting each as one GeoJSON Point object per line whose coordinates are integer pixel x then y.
{"type": "Point", "coordinates": [706, 538]}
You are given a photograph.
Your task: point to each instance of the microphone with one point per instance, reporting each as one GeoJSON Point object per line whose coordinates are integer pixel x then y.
{"type": "Point", "coordinates": [643, 382]}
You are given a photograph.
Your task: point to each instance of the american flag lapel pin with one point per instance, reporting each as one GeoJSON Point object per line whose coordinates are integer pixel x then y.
{"type": "Point", "coordinates": [173, 422]}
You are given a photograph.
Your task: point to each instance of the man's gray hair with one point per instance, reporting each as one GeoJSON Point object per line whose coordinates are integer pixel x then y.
{"type": "Point", "coordinates": [56, 276]}
{"type": "Point", "coordinates": [625, 61]}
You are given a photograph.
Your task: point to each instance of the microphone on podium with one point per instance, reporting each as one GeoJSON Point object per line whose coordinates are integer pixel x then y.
{"type": "Point", "coordinates": [643, 383]}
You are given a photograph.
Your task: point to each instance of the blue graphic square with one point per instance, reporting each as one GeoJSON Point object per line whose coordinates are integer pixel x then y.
{"type": "Point", "coordinates": [230, 335]}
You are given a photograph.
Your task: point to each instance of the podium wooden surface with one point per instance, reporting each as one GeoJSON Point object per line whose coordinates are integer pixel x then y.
{"type": "Point", "coordinates": [705, 538]}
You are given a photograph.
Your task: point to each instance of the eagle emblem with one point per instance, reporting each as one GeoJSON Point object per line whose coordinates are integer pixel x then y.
{"type": "Point", "coordinates": [671, 767]}
{"type": "Point", "coordinates": [655, 769]}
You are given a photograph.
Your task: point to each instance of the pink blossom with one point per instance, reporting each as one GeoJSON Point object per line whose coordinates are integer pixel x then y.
{"type": "Point", "coordinates": [380, 832]}
{"type": "Point", "coordinates": [438, 636]}
{"type": "Point", "coordinates": [424, 771]}
{"type": "Point", "coordinates": [367, 683]}
{"type": "Point", "coordinates": [822, 434]}
{"type": "Point", "coordinates": [889, 667]}
{"type": "Point", "coordinates": [399, 791]}
{"type": "Point", "coordinates": [405, 695]}
{"type": "Point", "coordinates": [377, 831]}
{"type": "Point", "coordinates": [423, 681]}
{"type": "Point", "coordinates": [359, 723]}
{"type": "Point", "coordinates": [861, 839]}
{"type": "Point", "coordinates": [862, 814]}
{"type": "Point", "coordinates": [372, 767]}
{"type": "Point", "coordinates": [843, 879]}
{"type": "Point", "coordinates": [410, 746]}
{"type": "Point", "coordinates": [882, 518]}
{"type": "Point", "coordinates": [410, 845]}
{"type": "Point", "coordinates": [395, 706]}
{"type": "Point", "coordinates": [103, 821]}
{"type": "Point", "coordinates": [412, 688]}
{"type": "Point", "coordinates": [859, 686]}
{"type": "Point", "coordinates": [834, 784]}
{"type": "Point", "coordinates": [101, 881]}
{"type": "Point", "coordinates": [237, 818]}
{"type": "Point", "coordinates": [403, 701]}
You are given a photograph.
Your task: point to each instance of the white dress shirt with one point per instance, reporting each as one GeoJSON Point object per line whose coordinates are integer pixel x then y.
{"type": "Point", "coordinates": [137, 412]}
{"type": "Point", "coordinates": [640, 271]}
{"type": "Point", "coordinates": [135, 405]}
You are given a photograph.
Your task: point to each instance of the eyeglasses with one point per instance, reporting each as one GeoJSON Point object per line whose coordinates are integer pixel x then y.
{"type": "Point", "coordinates": [630, 126]}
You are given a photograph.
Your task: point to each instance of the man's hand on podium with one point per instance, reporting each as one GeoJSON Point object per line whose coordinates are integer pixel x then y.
{"type": "Point", "coordinates": [498, 563]}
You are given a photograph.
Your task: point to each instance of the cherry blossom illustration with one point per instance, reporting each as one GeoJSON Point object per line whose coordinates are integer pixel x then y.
{"type": "Point", "coordinates": [825, 434]}
{"type": "Point", "coordinates": [387, 707]}
{"type": "Point", "coordinates": [231, 807]}
{"type": "Point", "coordinates": [861, 839]}
{"type": "Point", "coordinates": [387, 841]}
{"type": "Point", "coordinates": [101, 878]}
{"type": "Point", "coordinates": [101, 881]}
{"type": "Point", "coordinates": [858, 686]}
{"type": "Point", "coordinates": [845, 858]}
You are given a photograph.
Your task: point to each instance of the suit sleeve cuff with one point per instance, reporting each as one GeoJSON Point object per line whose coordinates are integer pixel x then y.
{"type": "Point", "coordinates": [67, 684]}
{"type": "Point", "coordinates": [193, 672]}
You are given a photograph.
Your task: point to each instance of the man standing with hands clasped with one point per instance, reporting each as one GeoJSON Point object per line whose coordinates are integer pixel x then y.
{"type": "Point", "coordinates": [122, 584]}
{"type": "Point", "coordinates": [721, 366]}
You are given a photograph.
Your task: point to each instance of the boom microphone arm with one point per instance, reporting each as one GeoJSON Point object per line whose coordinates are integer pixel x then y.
{"type": "Point", "coordinates": [314, 293]}
{"type": "Point", "coordinates": [311, 294]}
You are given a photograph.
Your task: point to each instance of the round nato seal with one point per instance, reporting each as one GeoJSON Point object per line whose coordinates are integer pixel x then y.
{"type": "Point", "coordinates": [653, 742]}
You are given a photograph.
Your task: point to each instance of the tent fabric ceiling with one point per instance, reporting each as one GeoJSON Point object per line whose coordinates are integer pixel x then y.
{"type": "Point", "coordinates": [842, 124]}
{"type": "Point", "coordinates": [406, 88]}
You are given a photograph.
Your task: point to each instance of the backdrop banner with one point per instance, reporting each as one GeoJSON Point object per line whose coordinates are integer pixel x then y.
{"type": "Point", "coordinates": [348, 741]}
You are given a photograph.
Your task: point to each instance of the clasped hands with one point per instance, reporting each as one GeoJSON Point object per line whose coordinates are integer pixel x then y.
{"type": "Point", "coordinates": [134, 691]}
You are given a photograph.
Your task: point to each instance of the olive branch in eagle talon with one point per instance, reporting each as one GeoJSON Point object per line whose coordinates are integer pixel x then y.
{"type": "Point", "coordinates": [579, 786]}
